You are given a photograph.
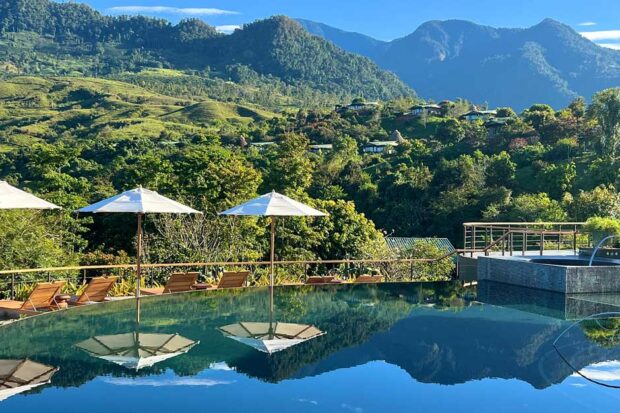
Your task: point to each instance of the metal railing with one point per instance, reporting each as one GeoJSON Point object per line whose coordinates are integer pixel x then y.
{"type": "Point", "coordinates": [298, 270]}
{"type": "Point", "coordinates": [509, 238]}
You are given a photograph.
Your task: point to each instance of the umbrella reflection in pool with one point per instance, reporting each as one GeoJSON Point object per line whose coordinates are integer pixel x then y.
{"type": "Point", "coordinates": [18, 376]}
{"type": "Point", "coordinates": [270, 337]}
{"type": "Point", "coordinates": [135, 350]}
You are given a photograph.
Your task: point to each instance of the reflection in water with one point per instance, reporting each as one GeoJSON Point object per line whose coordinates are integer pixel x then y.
{"type": "Point", "coordinates": [407, 336]}
{"type": "Point", "coordinates": [18, 376]}
{"type": "Point", "coordinates": [603, 332]}
{"type": "Point", "coordinates": [136, 350]}
{"type": "Point", "coordinates": [270, 337]}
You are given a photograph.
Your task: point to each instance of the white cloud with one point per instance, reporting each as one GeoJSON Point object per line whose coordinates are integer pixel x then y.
{"type": "Point", "coordinates": [602, 35]}
{"type": "Point", "coordinates": [187, 11]}
{"type": "Point", "coordinates": [615, 46]}
{"type": "Point", "coordinates": [163, 382]}
{"type": "Point", "coordinates": [227, 28]}
{"type": "Point", "coordinates": [220, 365]}
{"type": "Point", "coordinates": [587, 24]}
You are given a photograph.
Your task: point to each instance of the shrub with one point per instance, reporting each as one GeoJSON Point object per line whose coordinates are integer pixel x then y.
{"type": "Point", "coordinates": [601, 227]}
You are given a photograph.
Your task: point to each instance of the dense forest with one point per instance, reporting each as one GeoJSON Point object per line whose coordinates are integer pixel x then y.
{"type": "Point", "coordinates": [75, 141]}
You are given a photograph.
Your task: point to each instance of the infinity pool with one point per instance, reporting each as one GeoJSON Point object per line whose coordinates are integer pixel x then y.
{"type": "Point", "coordinates": [339, 348]}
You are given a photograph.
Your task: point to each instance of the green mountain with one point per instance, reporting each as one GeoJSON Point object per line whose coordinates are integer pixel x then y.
{"type": "Point", "coordinates": [43, 37]}
{"type": "Point", "coordinates": [548, 62]}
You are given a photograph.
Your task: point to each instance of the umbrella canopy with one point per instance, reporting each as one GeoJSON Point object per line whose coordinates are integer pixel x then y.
{"type": "Point", "coordinates": [18, 376]}
{"type": "Point", "coordinates": [136, 350]}
{"type": "Point", "coordinates": [139, 201]}
{"type": "Point", "coordinates": [270, 337]}
{"type": "Point", "coordinates": [274, 204]}
{"type": "Point", "coordinates": [13, 198]}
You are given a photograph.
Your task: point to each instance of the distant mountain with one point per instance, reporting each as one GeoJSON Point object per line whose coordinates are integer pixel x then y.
{"type": "Point", "coordinates": [39, 36]}
{"type": "Point", "coordinates": [350, 41]}
{"type": "Point", "coordinates": [546, 63]}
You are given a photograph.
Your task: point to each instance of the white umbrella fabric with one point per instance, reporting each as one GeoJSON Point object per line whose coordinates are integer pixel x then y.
{"type": "Point", "coordinates": [273, 205]}
{"type": "Point", "coordinates": [18, 376]}
{"type": "Point", "coordinates": [136, 350]}
{"type": "Point", "coordinates": [139, 201]}
{"type": "Point", "coordinates": [13, 198]}
{"type": "Point", "coordinates": [270, 337]}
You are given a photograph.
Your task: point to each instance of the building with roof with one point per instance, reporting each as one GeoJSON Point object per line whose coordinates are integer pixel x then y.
{"type": "Point", "coordinates": [494, 125]}
{"type": "Point", "coordinates": [426, 110]}
{"type": "Point", "coordinates": [262, 146]}
{"type": "Point", "coordinates": [379, 147]}
{"type": "Point", "coordinates": [475, 114]}
{"type": "Point", "coordinates": [400, 246]}
{"type": "Point", "coordinates": [318, 148]}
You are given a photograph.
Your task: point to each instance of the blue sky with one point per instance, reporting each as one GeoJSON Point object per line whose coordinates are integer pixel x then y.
{"type": "Point", "coordinates": [385, 19]}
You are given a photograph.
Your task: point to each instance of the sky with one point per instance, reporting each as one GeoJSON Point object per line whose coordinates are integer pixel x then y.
{"type": "Point", "coordinates": [599, 20]}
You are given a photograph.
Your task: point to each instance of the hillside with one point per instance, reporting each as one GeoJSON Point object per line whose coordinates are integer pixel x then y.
{"type": "Point", "coordinates": [35, 109]}
{"type": "Point", "coordinates": [43, 37]}
{"type": "Point", "coordinates": [548, 62]}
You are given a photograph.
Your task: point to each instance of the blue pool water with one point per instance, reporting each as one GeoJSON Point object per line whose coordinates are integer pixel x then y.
{"type": "Point", "coordinates": [384, 348]}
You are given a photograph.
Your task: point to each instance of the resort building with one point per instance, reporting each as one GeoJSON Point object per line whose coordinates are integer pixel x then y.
{"type": "Point", "coordinates": [494, 125]}
{"type": "Point", "coordinates": [357, 105]}
{"type": "Point", "coordinates": [426, 110]}
{"type": "Point", "coordinates": [325, 147]}
{"type": "Point", "coordinates": [474, 115]}
{"type": "Point", "coordinates": [379, 147]}
{"type": "Point", "coordinates": [262, 146]}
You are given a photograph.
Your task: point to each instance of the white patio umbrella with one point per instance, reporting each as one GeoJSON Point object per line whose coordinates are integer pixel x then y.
{"type": "Point", "coordinates": [18, 376]}
{"type": "Point", "coordinates": [270, 337]}
{"type": "Point", "coordinates": [13, 198]}
{"type": "Point", "coordinates": [135, 350]}
{"type": "Point", "coordinates": [139, 201]}
{"type": "Point", "coordinates": [273, 205]}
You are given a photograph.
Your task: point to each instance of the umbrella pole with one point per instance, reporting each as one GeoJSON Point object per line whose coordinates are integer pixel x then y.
{"type": "Point", "coordinates": [138, 266]}
{"type": "Point", "coordinates": [273, 255]}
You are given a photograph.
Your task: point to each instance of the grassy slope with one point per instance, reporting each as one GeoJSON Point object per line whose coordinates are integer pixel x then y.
{"type": "Point", "coordinates": [34, 108]}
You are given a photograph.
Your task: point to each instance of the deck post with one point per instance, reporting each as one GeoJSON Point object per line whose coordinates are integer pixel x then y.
{"type": "Point", "coordinates": [12, 286]}
{"type": "Point", "coordinates": [542, 242]}
{"type": "Point", "coordinates": [524, 243]}
{"type": "Point", "coordinates": [575, 240]}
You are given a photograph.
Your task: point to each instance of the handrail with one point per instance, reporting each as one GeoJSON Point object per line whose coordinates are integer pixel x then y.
{"type": "Point", "coordinates": [483, 236]}
{"type": "Point", "coordinates": [497, 241]}
{"type": "Point", "coordinates": [221, 263]}
{"type": "Point", "coordinates": [522, 223]}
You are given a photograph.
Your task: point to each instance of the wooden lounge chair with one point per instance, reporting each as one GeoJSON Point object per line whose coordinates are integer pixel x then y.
{"type": "Point", "coordinates": [368, 279]}
{"type": "Point", "coordinates": [328, 279]}
{"type": "Point", "coordinates": [231, 279]}
{"type": "Point", "coordinates": [96, 291]}
{"type": "Point", "coordinates": [177, 283]}
{"type": "Point", "coordinates": [42, 298]}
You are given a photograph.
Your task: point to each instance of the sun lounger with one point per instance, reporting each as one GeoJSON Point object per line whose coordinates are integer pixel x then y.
{"type": "Point", "coordinates": [368, 279]}
{"type": "Point", "coordinates": [96, 291]}
{"type": "Point", "coordinates": [177, 283]}
{"type": "Point", "coordinates": [42, 298]}
{"type": "Point", "coordinates": [328, 279]}
{"type": "Point", "coordinates": [231, 279]}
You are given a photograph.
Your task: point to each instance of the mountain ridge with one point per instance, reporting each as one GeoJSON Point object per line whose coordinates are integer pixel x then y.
{"type": "Point", "coordinates": [277, 47]}
{"type": "Point", "coordinates": [446, 59]}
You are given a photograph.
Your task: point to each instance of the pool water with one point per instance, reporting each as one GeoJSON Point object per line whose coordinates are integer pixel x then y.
{"type": "Point", "coordinates": [433, 347]}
